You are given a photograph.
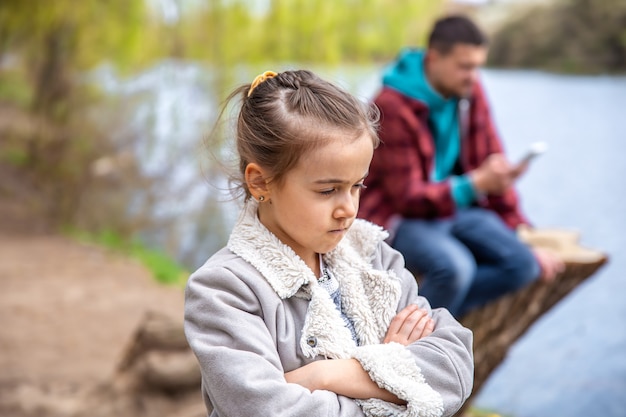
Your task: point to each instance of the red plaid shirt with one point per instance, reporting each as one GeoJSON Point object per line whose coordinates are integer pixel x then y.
{"type": "Point", "coordinates": [399, 180]}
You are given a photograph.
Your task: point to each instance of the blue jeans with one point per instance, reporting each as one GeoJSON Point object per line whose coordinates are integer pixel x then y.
{"type": "Point", "coordinates": [466, 260]}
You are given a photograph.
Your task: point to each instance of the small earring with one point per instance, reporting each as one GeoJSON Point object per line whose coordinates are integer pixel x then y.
{"type": "Point", "coordinates": [262, 198]}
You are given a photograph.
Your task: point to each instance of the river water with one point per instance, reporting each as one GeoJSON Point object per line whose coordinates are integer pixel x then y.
{"type": "Point", "coordinates": [572, 362]}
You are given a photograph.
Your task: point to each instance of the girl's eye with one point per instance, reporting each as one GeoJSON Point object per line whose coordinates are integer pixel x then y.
{"type": "Point", "coordinates": [360, 186]}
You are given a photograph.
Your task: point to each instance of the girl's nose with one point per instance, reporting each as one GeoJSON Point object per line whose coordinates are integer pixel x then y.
{"type": "Point", "coordinates": [348, 206]}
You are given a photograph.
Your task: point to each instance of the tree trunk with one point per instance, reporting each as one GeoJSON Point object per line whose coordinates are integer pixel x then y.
{"type": "Point", "coordinates": [498, 325]}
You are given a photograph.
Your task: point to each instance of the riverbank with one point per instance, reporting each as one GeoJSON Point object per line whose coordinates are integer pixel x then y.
{"type": "Point", "coordinates": [68, 310]}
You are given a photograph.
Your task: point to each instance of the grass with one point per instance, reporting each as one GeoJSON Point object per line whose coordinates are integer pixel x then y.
{"type": "Point", "coordinates": [162, 267]}
{"type": "Point", "coordinates": [476, 412]}
{"type": "Point", "coordinates": [14, 157]}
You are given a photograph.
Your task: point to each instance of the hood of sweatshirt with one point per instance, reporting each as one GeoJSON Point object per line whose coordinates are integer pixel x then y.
{"type": "Point", "coordinates": [407, 75]}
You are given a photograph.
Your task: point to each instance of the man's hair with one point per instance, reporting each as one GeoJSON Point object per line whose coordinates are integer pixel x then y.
{"type": "Point", "coordinates": [452, 30]}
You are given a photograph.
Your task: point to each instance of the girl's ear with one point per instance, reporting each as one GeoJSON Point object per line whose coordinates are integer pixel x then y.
{"type": "Point", "coordinates": [255, 180]}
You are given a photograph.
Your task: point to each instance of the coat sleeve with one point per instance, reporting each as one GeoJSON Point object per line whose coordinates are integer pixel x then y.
{"type": "Point", "coordinates": [242, 374]}
{"type": "Point", "coordinates": [401, 162]}
{"type": "Point", "coordinates": [434, 374]}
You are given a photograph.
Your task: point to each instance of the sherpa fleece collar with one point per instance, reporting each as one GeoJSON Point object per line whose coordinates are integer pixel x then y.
{"type": "Point", "coordinates": [364, 289]}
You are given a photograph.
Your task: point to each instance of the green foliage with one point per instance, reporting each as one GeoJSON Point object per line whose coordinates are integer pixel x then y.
{"type": "Point", "coordinates": [46, 46]}
{"type": "Point", "coordinates": [162, 267]}
{"type": "Point", "coordinates": [231, 31]}
{"type": "Point", "coordinates": [14, 88]}
{"type": "Point", "coordinates": [569, 36]}
{"type": "Point", "coordinates": [87, 32]}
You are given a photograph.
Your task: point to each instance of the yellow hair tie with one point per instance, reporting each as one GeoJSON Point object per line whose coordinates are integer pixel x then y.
{"type": "Point", "coordinates": [259, 79]}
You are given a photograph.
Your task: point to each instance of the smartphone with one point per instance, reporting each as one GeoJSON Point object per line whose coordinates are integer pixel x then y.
{"type": "Point", "coordinates": [535, 149]}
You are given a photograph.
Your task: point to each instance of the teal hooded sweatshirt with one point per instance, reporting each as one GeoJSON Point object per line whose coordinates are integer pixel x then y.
{"type": "Point", "coordinates": [407, 76]}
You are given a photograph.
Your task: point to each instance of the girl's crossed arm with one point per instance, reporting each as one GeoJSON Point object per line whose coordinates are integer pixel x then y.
{"type": "Point", "coordinates": [347, 377]}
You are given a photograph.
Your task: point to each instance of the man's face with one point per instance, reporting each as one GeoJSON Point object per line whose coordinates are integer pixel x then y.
{"type": "Point", "coordinates": [454, 74]}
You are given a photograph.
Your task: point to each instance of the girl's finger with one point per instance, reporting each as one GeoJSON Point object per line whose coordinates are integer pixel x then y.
{"type": "Point", "coordinates": [418, 329]}
{"type": "Point", "coordinates": [397, 323]}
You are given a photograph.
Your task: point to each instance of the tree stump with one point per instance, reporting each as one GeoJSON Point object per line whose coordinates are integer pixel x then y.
{"type": "Point", "coordinates": [158, 357]}
{"type": "Point", "coordinates": [498, 325]}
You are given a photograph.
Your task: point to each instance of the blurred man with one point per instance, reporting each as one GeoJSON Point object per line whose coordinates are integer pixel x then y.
{"type": "Point", "coordinates": [440, 183]}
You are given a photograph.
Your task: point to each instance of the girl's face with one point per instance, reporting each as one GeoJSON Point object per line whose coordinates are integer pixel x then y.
{"type": "Point", "coordinates": [317, 201]}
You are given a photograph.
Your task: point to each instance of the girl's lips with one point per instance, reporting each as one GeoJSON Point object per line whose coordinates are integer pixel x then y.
{"type": "Point", "coordinates": [341, 229]}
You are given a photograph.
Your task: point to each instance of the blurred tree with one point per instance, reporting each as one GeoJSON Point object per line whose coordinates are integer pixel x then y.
{"type": "Point", "coordinates": [53, 43]}
{"type": "Point", "coordinates": [234, 36]}
{"type": "Point", "coordinates": [56, 40]}
{"type": "Point", "coordinates": [565, 35]}
{"type": "Point", "coordinates": [233, 31]}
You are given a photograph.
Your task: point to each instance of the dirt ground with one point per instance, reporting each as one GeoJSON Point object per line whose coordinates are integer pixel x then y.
{"type": "Point", "coordinates": [67, 311]}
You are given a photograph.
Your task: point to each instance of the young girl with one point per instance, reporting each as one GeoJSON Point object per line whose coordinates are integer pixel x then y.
{"type": "Point", "coordinates": [307, 312]}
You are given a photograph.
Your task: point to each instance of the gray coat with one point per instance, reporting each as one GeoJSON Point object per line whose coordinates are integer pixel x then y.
{"type": "Point", "coordinates": [254, 311]}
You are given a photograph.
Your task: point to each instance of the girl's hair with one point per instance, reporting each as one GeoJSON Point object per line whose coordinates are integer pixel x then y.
{"type": "Point", "coordinates": [286, 116]}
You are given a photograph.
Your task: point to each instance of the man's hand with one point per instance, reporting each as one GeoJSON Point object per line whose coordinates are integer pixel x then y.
{"type": "Point", "coordinates": [551, 265]}
{"type": "Point", "coordinates": [410, 324]}
{"type": "Point", "coordinates": [495, 175]}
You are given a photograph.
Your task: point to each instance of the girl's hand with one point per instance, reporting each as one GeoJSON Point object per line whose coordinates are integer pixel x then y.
{"type": "Point", "coordinates": [343, 377]}
{"type": "Point", "coordinates": [410, 324]}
